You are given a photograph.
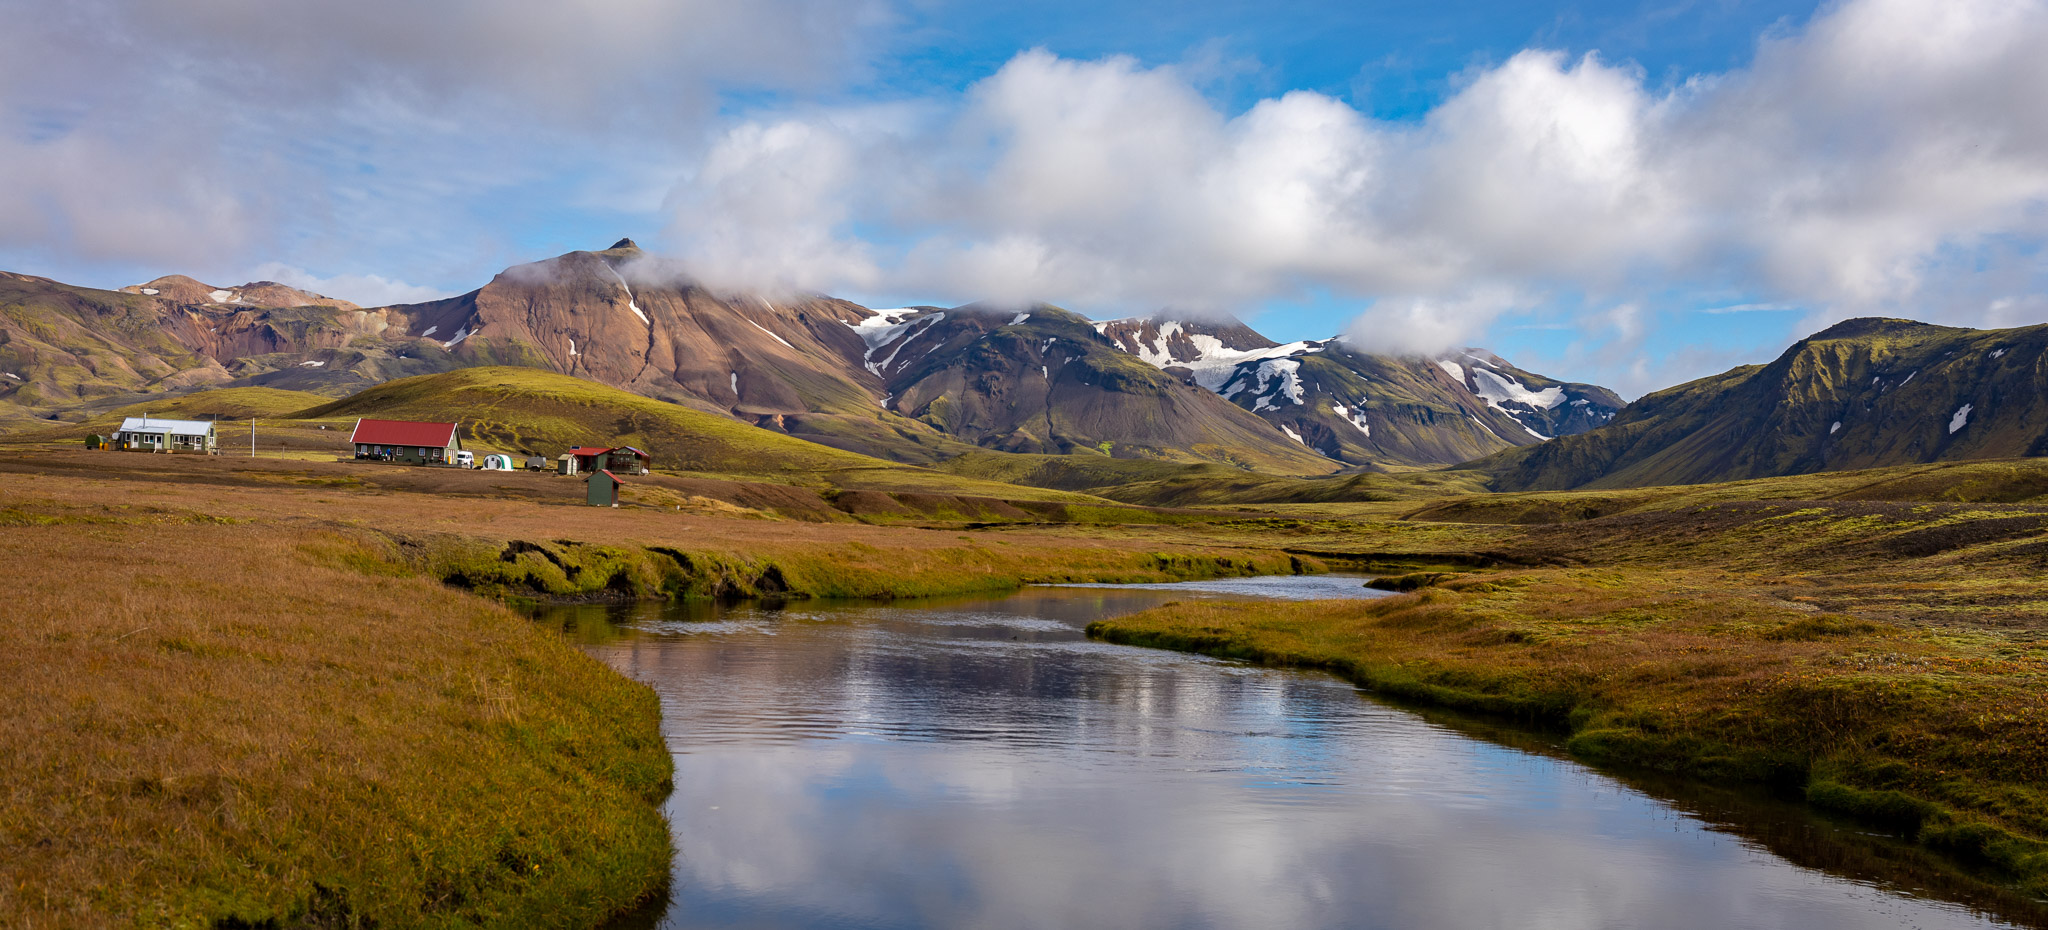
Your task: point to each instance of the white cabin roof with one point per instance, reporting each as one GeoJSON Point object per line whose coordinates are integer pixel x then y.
{"type": "Point", "coordinates": [161, 425]}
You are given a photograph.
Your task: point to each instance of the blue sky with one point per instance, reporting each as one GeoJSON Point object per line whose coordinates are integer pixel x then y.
{"type": "Point", "coordinates": [1628, 193]}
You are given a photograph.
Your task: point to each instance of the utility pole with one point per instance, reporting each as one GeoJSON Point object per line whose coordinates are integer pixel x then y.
{"type": "Point", "coordinates": [252, 437]}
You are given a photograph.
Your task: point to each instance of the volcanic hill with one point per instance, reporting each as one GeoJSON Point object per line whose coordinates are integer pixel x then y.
{"type": "Point", "coordinates": [1862, 393]}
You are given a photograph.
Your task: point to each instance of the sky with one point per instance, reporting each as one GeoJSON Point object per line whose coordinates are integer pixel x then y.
{"type": "Point", "coordinates": [1628, 193]}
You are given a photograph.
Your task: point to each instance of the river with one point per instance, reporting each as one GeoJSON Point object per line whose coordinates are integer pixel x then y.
{"type": "Point", "coordinates": [979, 762]}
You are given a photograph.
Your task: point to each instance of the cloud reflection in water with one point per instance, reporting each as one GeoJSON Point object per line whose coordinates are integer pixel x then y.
{"type": "Point", "coordinates": [980, 764]}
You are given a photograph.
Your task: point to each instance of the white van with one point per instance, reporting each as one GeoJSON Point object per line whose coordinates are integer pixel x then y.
{"type": "Point", "coordinates": [465, 459]}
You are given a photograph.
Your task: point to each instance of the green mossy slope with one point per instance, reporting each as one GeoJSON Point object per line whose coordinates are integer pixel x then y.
{"type": "Point", "coordinates": [1862, 394]}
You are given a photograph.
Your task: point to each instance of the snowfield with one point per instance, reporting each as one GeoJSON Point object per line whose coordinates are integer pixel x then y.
{"type": "Point", "coordinates": [1214, 364]}
{"type": "Point", "coordinates": [888, 326]}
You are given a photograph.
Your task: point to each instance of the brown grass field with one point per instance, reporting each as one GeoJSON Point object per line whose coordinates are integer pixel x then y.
{"type": "Point", "coordinates": [249, 687]}
{"type": "Point", "coordinates": [212, 720]}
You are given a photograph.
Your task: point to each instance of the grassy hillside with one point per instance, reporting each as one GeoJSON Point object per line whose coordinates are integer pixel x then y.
{"type": "Point", "coordinates": [534, 412]}
{"type": "Point", "coordinates": [1180, 484]}
{"type": "Point", "coordinates": [538, 412]}
{"type": "Point", "coordinates": [1862, 394]}
{"type": "Point", "coordinates": [2002, 481]}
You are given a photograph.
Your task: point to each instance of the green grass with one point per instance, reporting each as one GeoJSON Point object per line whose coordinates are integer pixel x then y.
{"type": "Point", "coordinates": [795, 568]}
{"type": "Point", "coordinates": [540, 412]}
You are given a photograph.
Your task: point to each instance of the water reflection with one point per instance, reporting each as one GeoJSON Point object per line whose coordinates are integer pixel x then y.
{"type": "Point", "coordinates": [979, 763]}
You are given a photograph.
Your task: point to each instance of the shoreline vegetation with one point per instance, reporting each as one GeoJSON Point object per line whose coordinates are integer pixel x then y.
{"type": "Point", "coordinates": [258, 694]}
{"type": "Point", "coordinates": [1883, 659]}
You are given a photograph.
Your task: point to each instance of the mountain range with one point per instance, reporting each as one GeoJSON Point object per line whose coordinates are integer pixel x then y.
{"type": "Point", "coordinates": [918, 384]}
{"type": "Point", "coordinates": [924, 385]}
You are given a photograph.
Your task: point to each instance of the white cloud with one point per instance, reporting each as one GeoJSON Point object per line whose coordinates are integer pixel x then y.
{"type": "Point", "coordinates": [1891, 157]}
{"type": "Point", "coordinates": [1750, 308]}
{"type": "Point", "coordinates": [387, 134]}
{"type": "Point", "coordinates": [361, 289]}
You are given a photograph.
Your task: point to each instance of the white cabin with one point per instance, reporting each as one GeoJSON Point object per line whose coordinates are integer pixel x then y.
{"type": "Point", "coordinates": [152, 434]}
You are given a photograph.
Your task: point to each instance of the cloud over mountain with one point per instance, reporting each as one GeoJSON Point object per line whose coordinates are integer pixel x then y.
{"type": "Point", "coordinates": [1889, 155]}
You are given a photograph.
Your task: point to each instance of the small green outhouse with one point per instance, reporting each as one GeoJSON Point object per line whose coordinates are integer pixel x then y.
{"type": "Point", "coordinates": [604, 489]}
{"type": "Point", "coordinates": [95, 441]}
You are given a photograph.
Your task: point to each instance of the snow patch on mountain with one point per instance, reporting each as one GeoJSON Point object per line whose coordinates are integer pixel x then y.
{"type": "Point", "coordinates": [1354, 416]}
{"type": "Point", "coordinates": [460, 335]}
{"type": "Point", "coordinates": [630, 303]}
{"type": "Point", "coordinates": [1269, 380]}
{"type": "Point", "coordinates": [1291, 434]}
{"type": "Point", "coordinates": [1960, 419]}
{"type": "Point", "coordinates": [1497, 389]}
{"type": "Point", "coordinates": [1214, 364]}
{"type": "Point", "coordinates": [891, 326]}
{"type": "Point", "coordinates": [770, 335]}
{"type": "Point", "coordinates": [1019, 318]}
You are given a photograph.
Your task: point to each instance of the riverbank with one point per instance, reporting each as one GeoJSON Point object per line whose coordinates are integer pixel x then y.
{"type": "Point", "coordinates": [243, 693]}
{"type": "Point", "coordinates": [1886, 660]}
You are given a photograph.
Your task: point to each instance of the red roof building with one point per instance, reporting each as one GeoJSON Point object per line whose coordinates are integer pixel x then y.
{"type": "Point", "coordinates": [406, 441]}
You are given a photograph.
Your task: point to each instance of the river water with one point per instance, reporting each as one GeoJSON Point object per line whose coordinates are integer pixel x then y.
{"type": "Point", "coordinates": [979, 763]}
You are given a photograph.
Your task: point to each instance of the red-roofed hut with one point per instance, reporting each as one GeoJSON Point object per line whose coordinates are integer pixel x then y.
{"type": "Point", "coordinates": [406, 441]}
